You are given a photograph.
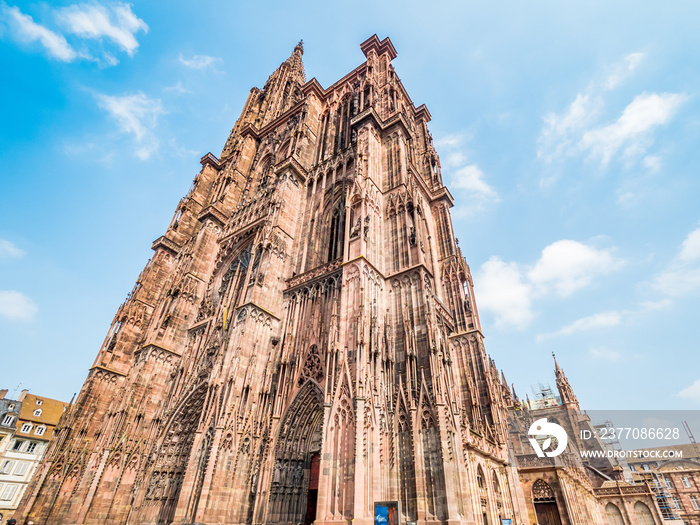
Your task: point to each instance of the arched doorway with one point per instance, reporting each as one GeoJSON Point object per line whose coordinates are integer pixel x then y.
{"type": "Point", "coordinates": [294, 487]}
{"type": "Point", "coordinates": [167, 469]}
{"type": "Point", "coordinates": [545, 503]}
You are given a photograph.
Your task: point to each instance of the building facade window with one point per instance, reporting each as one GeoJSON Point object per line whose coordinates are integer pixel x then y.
{"type": "Point", "coordinates": [18, 445]}
{"type": "Point", "coordinates": [26, 428]}
{"type": "Point", "coordinates": [9, 492]}
{"type": "Point", "coordinates": [8, 420]}
{"type": "Point", "coordinates": [686, 482]}
{"type": "Point", "coordinates": [39, 402]}
{"type": "Point", "coordinates": [668, 482]}
{"type": "Point", "coordinates": [37, 412]}
{"type": "Point", "coordinates": [40, 431]}
{"type": "Point", "coordinates": [31, 448]}
{"type": "Point", "coordinates": [694, 502]}
{"type": "Point", "coordinates": [6, 466]}
{"type": "Point", "coordinates": [677, 503]}
{"type": "Point", "coordinates": [21, 468]}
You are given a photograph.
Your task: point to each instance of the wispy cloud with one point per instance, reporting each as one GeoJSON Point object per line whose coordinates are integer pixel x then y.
{"type": "Point", "coordinates": [508, 289]}
{"type": "Point", "coordinates": [691, 392]}
{"type": "Point", "coordinates": [682, 276]}
{"type": "Point", "coordinates": [26, 30]}
{"type": "Point", "coordinates": [632, 131]}
{"type": "Point", "coordinates": [16, 306]}
{"type": "Point", "coordinates": [115, 22]}
{"type": "Point", "coordinates": [112, 22]}
{"type": "Point", "coordinates": [581, 129]}
{"type": "Point", "coordinates": [586, 324]}
{"type": "Point", "coordinates": [461, 173]}
{"type": "Point", "coordinates": [137, 115]}
{"type": "Point", "coordinates": [608, 319]}
{"type": "Point", "coordinates": [623, 70]}
{"type": "Point", "coordinates": [177, 88]}
{"type": "Point", "coordinates": [604, 354]}
{"type": "Point", "coordinates": [10, 250]}
{"type": "Point", "coordinates": [471, 178]}
{"type": "Point", "coordinates": [200, 61]}
{"type": "Point", "coordinates": [561, 132]}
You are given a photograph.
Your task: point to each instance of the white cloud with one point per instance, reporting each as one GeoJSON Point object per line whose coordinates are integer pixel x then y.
{"type": "Point", "coordinates": [471, 178]}
{"type": "Point", "coordinates": [653, 306]}
{"type": "Point", "coordinates": [177, 88]}
{"type": "Point", "coordinates": [449, 141]}
{"type": "Point", "coordinates": [690, 249]}
{"type": "Point", "coordinates": [567, 266]}
{"type": "Point", "coordinates": [622, 71]}
{"type": "Point", "coordinates": [578, 130]}
{"type": "Point", "coordinates": [682, 276]}
{"type": "Point", "coordinates": [508, 289]}
{"type": "Point", "coordinates": [632, 130]}
{"type": "Point", "coordinates": [200, 61]}
{"type": "Point", "coordinates": [691, 392]}
{"type": "Point", "coordinates": [502, 291]}
{"type": "Point", "coordinates": [455, 159]}
{"type": "Point", "coordinates": [28, 31]}
{"type": "Point", "coordinates": [9, 249]}
{"type": "Point", "coordinates": [560, 132]}
{"type": "Point", "coordinates": [625, 198]}
{"type": "Point", "coordinates": [678, 281]}
{"type": "Point", "coordinates": [137, 115]}
{"type": "Point", "coordinates": [465, 175]}
{"type": "Point", "coordinates": [652, 163]}
{"type": "Point", "coordinates": [16, 305]}
{"type": "Point", "coordinates": [604, 354]}
{"type": "Point", "coordinates": [116, 22]}
{"type": "Point", "coordinates": [586, 324]}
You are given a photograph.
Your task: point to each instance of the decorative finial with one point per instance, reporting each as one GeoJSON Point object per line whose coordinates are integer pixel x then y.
{"type": "Point", "coordinates": [300, 47]}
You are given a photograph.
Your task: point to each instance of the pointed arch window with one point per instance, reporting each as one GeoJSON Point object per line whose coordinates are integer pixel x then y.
{"type": "Point", "coordinates": [613, 515]}
{"type": "Point", "coordinates": [542, 492]}
{"type": "Point", "coordinates": [644, 516]}
{"type": "Point", "coordinates": [336, 241]}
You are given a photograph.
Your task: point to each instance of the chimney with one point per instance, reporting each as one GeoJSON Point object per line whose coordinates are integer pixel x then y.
{"type": "Point", "coordinates": [2, 393]}
{"type": "Point", "coordinates": [23, 395]}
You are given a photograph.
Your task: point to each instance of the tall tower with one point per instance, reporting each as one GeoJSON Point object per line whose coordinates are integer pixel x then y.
{"type": "Point", "coordinates": [566, 393]}
{"type": "Point", "coordinates": [304, 342]}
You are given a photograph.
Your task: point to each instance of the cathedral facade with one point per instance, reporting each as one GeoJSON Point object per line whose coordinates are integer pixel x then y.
{"type": "Point", "coordinates": [304, 342]}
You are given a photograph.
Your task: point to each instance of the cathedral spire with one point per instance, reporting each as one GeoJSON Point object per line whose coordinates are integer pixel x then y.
{"type": "Point", "coordinates": [296, 64]}
{"type": "Point", "coordinates": [566, 393]}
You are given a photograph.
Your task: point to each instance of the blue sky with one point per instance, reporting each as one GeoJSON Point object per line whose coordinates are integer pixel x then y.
{"type": "Point", "coordinates": [568, 134]}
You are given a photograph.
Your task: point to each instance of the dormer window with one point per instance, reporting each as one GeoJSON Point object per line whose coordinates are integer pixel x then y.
{"type": "Point", "coordinates": [37, 412]}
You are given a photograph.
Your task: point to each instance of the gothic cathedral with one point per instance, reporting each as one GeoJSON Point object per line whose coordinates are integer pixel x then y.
{"type": "Point", "coordinates": [304, 342]}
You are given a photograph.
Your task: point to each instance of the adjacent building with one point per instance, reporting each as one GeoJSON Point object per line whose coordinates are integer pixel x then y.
{"type": "Point", "coordinates": [26, 427]}
{"type": "Point", "coordinates": [574, 488]}
{"type": "Point", "coordinates": [674, 474]}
